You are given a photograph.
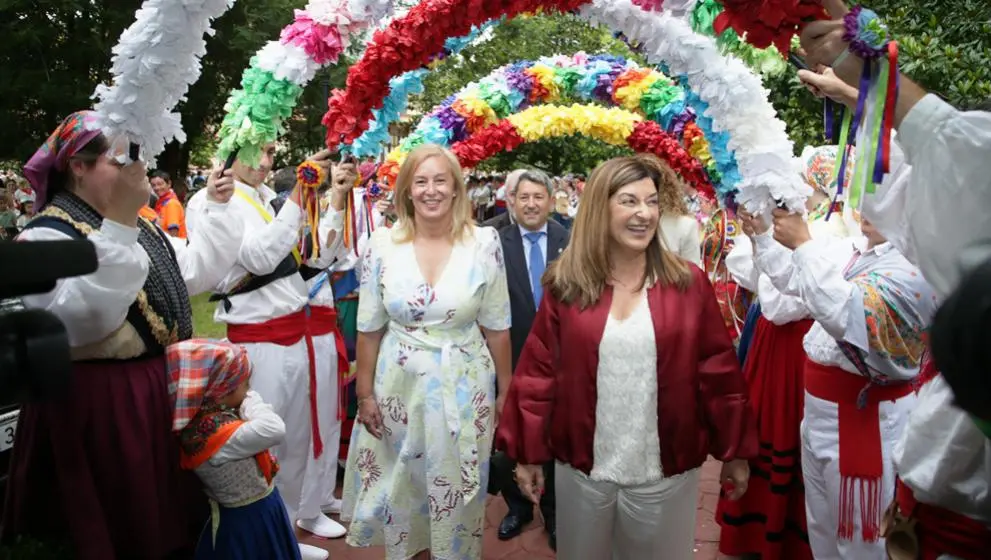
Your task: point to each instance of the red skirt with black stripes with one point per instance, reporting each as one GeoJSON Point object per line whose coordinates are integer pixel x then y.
{"type": "Point", "coordinates": [769, 519]}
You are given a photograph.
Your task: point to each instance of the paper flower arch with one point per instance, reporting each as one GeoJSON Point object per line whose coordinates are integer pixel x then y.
{"type": "Point", "coordinates": [274, 80]}
{"type": "Point", "coordinates": [613, 125]}
{"type": "Point", "coordinates": [607, 79]}
{"type": "Point", "coordinates": [736, 101]}
{"type": "Point", "coordinates": [765, 61]}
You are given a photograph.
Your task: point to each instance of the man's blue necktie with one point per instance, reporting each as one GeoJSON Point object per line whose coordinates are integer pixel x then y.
{"type": "Point", "coordinates": [536, 265]}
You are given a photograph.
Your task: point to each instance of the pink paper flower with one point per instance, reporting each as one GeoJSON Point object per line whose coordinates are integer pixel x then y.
{"type": "Point", "coordinates": [323, 43]}
{"type": "Point", "coordinates": [649, 5]}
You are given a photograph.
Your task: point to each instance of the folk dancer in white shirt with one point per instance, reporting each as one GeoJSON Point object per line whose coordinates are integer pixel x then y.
{"type": "Point", "coordinates": [363, 215]}
{"type": "Point", "coordinates": [936, 214]}
{"type": "Point", "coordinates": [107, 443]}
{"type": "Point", "coordinates": [864, 352]}
{"type": "Point", "coordinates": [769, 519]}
{"type": "Point", "coordinates": [264, 300]}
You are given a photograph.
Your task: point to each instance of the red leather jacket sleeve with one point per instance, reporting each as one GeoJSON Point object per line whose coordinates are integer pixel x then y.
{"type": "Point", "coordinates": [523, 427]}
{"type": "Point", "coordinates": [729, 417]}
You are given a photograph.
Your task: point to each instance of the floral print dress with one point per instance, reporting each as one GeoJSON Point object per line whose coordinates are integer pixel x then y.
{"type": "Point", "coordinates": [422, 486]}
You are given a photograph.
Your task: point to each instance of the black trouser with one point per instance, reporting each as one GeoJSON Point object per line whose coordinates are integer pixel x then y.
{"type": "Point", "coordinates": [502, 473]}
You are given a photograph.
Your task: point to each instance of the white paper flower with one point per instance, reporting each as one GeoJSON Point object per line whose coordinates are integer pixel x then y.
{"type": "Point", "coordinates": [287, 62]}
{"type": "Point", "coordinates": [156, 60]}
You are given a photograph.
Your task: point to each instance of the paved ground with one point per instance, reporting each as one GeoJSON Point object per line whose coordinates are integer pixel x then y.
{"type": "Point", "coordinates": [532, 544]}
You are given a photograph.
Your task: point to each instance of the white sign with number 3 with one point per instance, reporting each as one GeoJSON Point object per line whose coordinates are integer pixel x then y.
{"type": "Point", "coordinates": [8, 427]}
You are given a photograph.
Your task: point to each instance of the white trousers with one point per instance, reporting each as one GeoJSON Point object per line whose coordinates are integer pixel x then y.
{"type": "Point", "coordinates": [821, 469]}
{"type": "Point", "coordinates": [601, 520]}
{"type": "Point", "coordinates": [281, 375]}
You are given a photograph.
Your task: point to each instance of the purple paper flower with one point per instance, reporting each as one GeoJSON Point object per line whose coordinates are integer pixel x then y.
{"type": "Point", "coordinates": [450, 120]}
{"type": "Point", "coordinates": [679, 121]}
{"type": "Point", "coordinates": [521, 82]}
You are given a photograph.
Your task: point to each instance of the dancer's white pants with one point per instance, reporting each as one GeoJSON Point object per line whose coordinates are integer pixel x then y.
{"type": "Point", "coordinates": [602, 520]}
{"type": "Point", "coordinates": [821, 470]}
{"type": "Point", "coordinates": [281, 376]}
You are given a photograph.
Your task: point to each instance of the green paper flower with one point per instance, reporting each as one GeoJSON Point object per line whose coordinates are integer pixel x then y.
{"type": "Point", "coordinates": [567, 78]}
{"type": "Point", "coordinates": [496, 99]}
{"type": "Point", "coordinates": [256, 113]}
{"type": "Point", "coordinates": [659, 95]}
{"type": "Point", "coordinates": [411, 141]}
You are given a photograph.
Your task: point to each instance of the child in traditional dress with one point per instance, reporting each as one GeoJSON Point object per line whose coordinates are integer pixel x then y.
{"type": "Point", "coordinates": [225, 432]}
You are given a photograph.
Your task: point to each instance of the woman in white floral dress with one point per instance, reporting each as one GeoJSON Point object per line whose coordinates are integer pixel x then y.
{"type": "Point", "coordinates": [433, 320]}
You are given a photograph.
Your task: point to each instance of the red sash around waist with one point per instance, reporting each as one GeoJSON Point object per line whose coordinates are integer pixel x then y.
{"type": "Point", "coordinates": [941, 531]}
{"type": "Point", "coordinates": [861, 462]}
{"type": "Point", "coordinates": [290, 329]}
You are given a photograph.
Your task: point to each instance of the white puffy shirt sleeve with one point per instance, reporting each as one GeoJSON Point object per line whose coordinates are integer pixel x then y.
{"type": "Point", "coordinates": [886, 206]}
{"type": "Point", "coordinates": [690, 242]}
{"type": "Point", "coordinates": [263, 248]}
{"type": "Point", "coordinates": [740, 264]}
{"type": "Point", "coordinates": [262, 429]}
{"type": "Point", "coordinates": [832, 300]}
{"type": "Point", "coordinates": [94, 306]}
{"type": "Point", "coordinates": [211, 249]}
{"type": "Point", "coordinates": [774, 260]}
{"type": "Point", "coordinates": [949, 192]}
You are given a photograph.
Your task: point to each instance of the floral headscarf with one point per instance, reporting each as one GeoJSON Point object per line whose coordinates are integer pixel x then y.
{"type": "Point", "coordinates": [201, 371]}
{"type": "Point", "coordinates": [818, 165]}
{"type": "Point", "coordinates": [77, 130]}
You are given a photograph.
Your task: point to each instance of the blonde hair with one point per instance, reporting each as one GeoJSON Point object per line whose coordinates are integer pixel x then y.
{"type": "Point", "coordinates": [580, 274]}
{"type": "Point", "coordinates": [461, 220]}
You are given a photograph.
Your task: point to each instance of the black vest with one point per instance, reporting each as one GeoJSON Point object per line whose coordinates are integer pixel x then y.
{"type": "Point", "coordinates": [161, 314]}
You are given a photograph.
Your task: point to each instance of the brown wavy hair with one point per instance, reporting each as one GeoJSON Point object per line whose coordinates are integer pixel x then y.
{"type": "Point", "coordinates": [671, 196]}
{"type": "Point", "coordinates": [580, 274]}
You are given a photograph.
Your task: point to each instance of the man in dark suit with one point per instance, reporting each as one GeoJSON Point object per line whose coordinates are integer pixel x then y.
{"type": "Point", "coordinates": [506, 218]}
{"type": "Point", "coordinates": [528, 245]}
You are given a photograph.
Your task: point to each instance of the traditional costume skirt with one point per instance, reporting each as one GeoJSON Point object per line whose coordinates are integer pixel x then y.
{"type": "Point", "coordinates": [770, 518]}
{"type": "Point", "coordinates": [257, 531]}
{"type": "Point", "coordinates": [101, 467]}
{"type": "Point", "coordinates": [347, 320]}
{"type": "Point", "coordinates": [747, 333]}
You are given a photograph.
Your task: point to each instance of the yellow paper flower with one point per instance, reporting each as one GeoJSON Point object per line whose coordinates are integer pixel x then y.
{"type": "Point", "coordinates": [612, 125]}
{"type": "Point", "coordinates": [543, 75]}
{"type": "Point", "coordinates": [700, 151]}
{"type": "Point", "coordinates": [397, 155]}
{"type": "Point", "coordinates": [629, 95]}
{"type": "Point", "coordinates": [477, 113]}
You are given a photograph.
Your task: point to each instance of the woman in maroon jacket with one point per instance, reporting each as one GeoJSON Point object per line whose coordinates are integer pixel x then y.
{"type": "Point", "coordinates": [627, 380]}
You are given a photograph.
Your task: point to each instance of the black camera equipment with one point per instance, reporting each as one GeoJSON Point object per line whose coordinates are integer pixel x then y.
{"type": "Point", "coordinates": [34, 345]}
{"type": "Point", "coordinates": [961, 341]}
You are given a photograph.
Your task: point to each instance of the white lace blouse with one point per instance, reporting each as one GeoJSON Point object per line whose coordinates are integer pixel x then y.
{"type": "Point", "coordinates": [626, 447]}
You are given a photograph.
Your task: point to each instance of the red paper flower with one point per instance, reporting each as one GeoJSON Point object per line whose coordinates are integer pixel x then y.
{"type": "Point", "coordinates": [648, 137]}
{"type": "Point", "coordinates": [630, 76]}
{"type": "Point", "coordinates": [407, 44]}
{"type": "Point", "coordinates": [767, 22]}
{"type": "Point", "coordinates": [486, 143]}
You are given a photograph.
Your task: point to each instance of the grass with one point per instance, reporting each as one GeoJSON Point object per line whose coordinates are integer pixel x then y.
{"type": "Point", "coordinates": [203, 323]}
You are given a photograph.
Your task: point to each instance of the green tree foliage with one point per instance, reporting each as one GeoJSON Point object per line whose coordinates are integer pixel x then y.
{"type": "Point", "coordinates": [54, 52]}
{"type": "Point", "coordinates": [945, 47]}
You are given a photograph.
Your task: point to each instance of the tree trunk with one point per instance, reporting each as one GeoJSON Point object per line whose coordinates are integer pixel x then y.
{"type": "Point", "coordinates": [175, 161]}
